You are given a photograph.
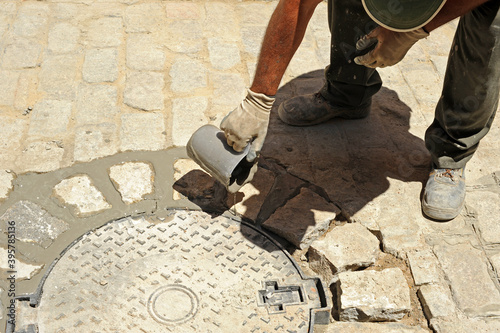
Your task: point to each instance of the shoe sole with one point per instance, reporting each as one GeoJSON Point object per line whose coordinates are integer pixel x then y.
{"type": "Point", "coordinates": [440, 214]}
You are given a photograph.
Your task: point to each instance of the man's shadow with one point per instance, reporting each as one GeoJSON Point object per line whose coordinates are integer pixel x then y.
{"type": "Point", "coordinates": [347, 162]}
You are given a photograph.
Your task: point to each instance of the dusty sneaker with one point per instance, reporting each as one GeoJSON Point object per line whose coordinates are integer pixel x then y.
{"type": "Point", "coordinates": [444, 194]}
{"type": "Point", "coordinates": [314, 109]}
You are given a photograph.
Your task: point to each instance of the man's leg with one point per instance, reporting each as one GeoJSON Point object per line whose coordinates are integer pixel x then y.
{"type": "Point", "coordinates": [466, 109]}
{"type": "Point", "coordinates": [349, 87]}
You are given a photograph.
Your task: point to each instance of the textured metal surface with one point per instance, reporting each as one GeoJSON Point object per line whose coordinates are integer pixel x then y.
{"type": "Point", "coordinates": [188, 273]}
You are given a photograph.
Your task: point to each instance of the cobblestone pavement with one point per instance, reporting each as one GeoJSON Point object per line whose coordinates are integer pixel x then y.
{"type": "Point", "coordinates": [97, 100]}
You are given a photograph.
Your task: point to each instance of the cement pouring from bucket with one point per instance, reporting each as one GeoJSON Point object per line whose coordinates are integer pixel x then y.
{"type": "Point", "coordinates": [209, 149]}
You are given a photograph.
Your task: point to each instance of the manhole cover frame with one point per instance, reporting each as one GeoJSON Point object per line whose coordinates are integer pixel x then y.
{"type": "Point", "coordinates": [318, 315]}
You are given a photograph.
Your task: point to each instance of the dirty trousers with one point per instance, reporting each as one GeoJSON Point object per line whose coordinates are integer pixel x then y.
{"type": "Point", "coordinates": [469, 99]}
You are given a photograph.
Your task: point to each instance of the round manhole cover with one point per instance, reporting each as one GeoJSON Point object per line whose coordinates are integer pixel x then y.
{"type": "Point", "coordinates": [187, 273]}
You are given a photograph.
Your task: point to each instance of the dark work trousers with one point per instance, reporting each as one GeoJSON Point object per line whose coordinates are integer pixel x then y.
{"type": "Point", "coordinates": [347, 84]}
{"type": "Point", "coordinates": [469, 100]}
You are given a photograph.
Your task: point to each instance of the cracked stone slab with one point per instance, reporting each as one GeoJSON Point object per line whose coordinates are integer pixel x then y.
{"type": "Point", "coordinates": [340, 327]}
{"type": "Point", "coordinates": [465, 325]}
{"type": "Point", "coordinates": [24, 271]}
{"type": "Point", "coordinates": [436, 301]}
{"type": "Point", "coordinates": [33, 223]}
{"type": "Point", "coordinates": [373, 295]}
{"type": "Point", "coordinates": [80, 193]}
{"type": "Point", "coordinates": [303, 218]}
{"type": "Point", "coordinates": [6, 179]}
{"type": "Point", "coordinates": [471, 285]}
{"type": "Point", "coordinates": [133, 180]}
{"type": "Point", "coordinates": [345, 248]}
{"type": "Point", "coordinates": [250, 198]}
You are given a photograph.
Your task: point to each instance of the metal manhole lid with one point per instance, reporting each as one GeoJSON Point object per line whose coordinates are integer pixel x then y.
{"type": "Point", "coordinates": [188, 273]}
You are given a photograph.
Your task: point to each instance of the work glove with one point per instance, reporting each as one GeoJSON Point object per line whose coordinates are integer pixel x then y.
{"type": "Point", "coordinates": [248, 122]}
{"type": "Point", "coordinates": [391, 47]}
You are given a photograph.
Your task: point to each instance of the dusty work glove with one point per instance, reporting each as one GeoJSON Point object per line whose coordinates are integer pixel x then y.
{"type": "Point", "coordinates": [248, 122]}
{"type": "Point", "coordinates": [391, 47]}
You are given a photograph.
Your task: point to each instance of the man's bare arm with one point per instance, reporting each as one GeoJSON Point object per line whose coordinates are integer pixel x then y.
{"type": "Point", "coordinates": [283, 36]}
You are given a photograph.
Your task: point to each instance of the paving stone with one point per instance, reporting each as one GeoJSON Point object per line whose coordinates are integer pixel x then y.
{"type": "Point", "coordinates": [22, 53]}
{"type": "Point", "coordinates": [63, 38]}
{"type": "Point", "coordinates": [229, 89]}
{"type": "Point", "coordinates": [221, 21]}
{"type": "Point", "coordinates": [6, 178]}
{"type": "Point", "coordinates": [11, 134]}
{"type": "Point", "coordinates": [252, 14]}
{"type": "Point", "coordinates": [304, 60]}
{"type": "Point", "coordinates": [303, 218]}
{"type": "Point", "coordinates": [96, 104]}
{"type": "Point", "coordinates": [187, 117]}
{"type": "Point", "coordinates": [204, 183]}
{"type": "Point", "coordinates": [40, 156]}
{"type": "Point", "coordinates": [142, 132]}
{"type": "Point", "coordinates": [2, 308]}
{"type": "Point", "coordinates": [80, 193]}
{"type": "Point", "coordinates": [100, 65]}
{"type": "Point", "coordinates": [26, 89]}
{"type": "Point", "coordinates": [50, 117]}
{"type": "Point", "coordinates": [436, 301]}
{"type": "Point", "coordinates": [133, 180]}
{"type": "Point", "coordinates": [495, 262]}
{"type": "Point", "coordinates": [373, 295]}
{"type": "Point", "coordinates": [144, 90]}
{"type": "Point", "coordinates": [144, 53]}
{"type": "Point", "coordinates": [66, 11]}
{"type": "Point", "coordinates": [345, 248]}
{"type": "Point", "coordinates": [252, 39]}
{"type": "Point", "coordinates": [8, 85]}
{"type": "Point", "coordinates": [249, 199]}
{"type": "Point", "coordinates": [184, 36]}
{"type": "Point", "coordinates": [144, 17]}
{"type": "Point", "coordinates": [465, 325]}
{"type": "Point", "coordinates": [187, 75]}
{"type": "Point", "coordinates": [33, 223]}
{"type": "Point", "coordinates": [424, 266]}
{"type": "Point", "coordinates": [340, 327]}
{"type": "Point", "coordinates": [223, 55]}
{"type": "Point", "coordinates": [95, 141]}
{"type": "Point", "coordinates": [31, 20]}
{"type": "Point", "coordinates": [24, 271]}
{"type": "Point", "coordinates": [471, 285]}
{"type": "Point", "coordinates": [485, 206]}
{"type": "Point", "coordinates": [58, 76]}
{"type": "Point", "coordinates": [183, 10]}
{"type": "Point", "coordinates": [105, 32]}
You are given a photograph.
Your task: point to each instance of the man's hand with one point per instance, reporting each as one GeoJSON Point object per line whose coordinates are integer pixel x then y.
{"type": "Point", "coordinates": [391, 47]}
{"type": "Point", "coordinates": [248, 122]}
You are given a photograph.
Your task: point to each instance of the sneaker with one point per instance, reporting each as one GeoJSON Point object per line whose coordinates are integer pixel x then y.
{"type": "Point", "coordinates": [444, 194]}
{"type": "Point", "coordinates": [314, 109]}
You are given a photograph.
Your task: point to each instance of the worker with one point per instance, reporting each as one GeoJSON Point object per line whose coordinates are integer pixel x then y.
{"type": "Point", "coordinates": [386, 30]}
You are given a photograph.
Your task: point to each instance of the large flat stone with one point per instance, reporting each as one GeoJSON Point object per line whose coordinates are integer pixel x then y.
{"type": "Point", "coordinates": [33, 223]}
{"type": "Point", "coordinates": [467, 271]}
{"type": "Point", "coordinates": [373, 295]}
{"type": "Point", "coordinates": [249, 199]}
{"type": "Point", "coordinates": [465, 325]}
{"type": "Point", "coordinates": [424, 266]}
{"type": "Point", "coordinates": [436, 300]}
{"type": "Point", "coordinates": [303, 218]}
{"type": "Point", "coordinates": [340, 327]}
{"type": "Point", "coordinates": [133, 180]}
{"type": "Point", "coordinates": [80, 193]}
{"type": "Point", "coordinates": [345, 248]}
{"type": "Point", "coordinates": [486, 206]}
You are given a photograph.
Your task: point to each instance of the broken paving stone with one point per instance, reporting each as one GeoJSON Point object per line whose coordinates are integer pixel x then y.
{"type": "Point", "coordinates": [472, 287]}
{"type": "Point", "coordinates": [373, 295]}
{"type": "Point", "coordinates": [436, 301]}
{"type": "Point", "coordinates": [339, 327]}
{"type": "Point", "coordinates": [78, 191]}
{"type": "Point", "coordinates": [345, 248]}
{"type": "Point", "coordinates": [424, 266]}
{"type": "Point", "coordinates": [250, 198]}
{"type": "Point", "coordinates": [133, 180]}
{"type": "Point", "coordinates": [6, 179]}
{"type": "Point", "coordinates": [33, 223]}
{"type": "Point", "coordinates": [303, 219]}
{"type": "Point", "coordinates": [24, 271]}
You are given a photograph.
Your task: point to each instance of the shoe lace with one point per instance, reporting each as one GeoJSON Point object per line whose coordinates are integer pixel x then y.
{"type": "Point", "coordinates": [448, 173]}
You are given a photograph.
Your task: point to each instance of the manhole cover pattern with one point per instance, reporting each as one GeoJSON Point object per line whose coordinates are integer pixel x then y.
{"type": "Point", "coordinates": [188, 273]}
